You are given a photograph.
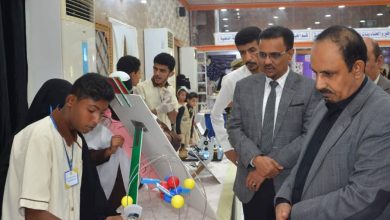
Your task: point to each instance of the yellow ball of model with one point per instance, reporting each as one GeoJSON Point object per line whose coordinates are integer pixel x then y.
{"type": "Point", "coordinates": [126, 201]}
{"type": "Point", "coordinates": [177, 201]}
{"type": "Point", "coordinates": [189, 183]}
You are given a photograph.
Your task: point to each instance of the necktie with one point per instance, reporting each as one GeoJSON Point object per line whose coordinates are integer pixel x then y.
{"type": "Point", "coordinates": [267, 131]}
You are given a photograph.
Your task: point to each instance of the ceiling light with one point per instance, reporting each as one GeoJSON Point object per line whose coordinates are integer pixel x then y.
{"type": "Point", "coordinates": [226, 30]}
{"type": "Point", "coordinates": [238, 13]}
{"type": "Point", "coordinates": [225, 19]}
{"type": "Point", "coordinates": [328, 16]}
{"type": "Point", "coordinates": [270, 24]}
{"type": "Point", "coordinates": [282, 8]}
{"type": "Point", "coordinates": [362, 21]}
{"type": "Point", "coordinates": [341, 6]}
{"type": "Point", "coordinates": [317, 22]}
{"type": "Point", "coordinates": [226, 25]}
{"type": "Point", "coordinates": [238, 17]}
{"type": "Point", "coordinates": [223, 9]}
{"type": "Point", "coordinates": [309, 28]}
{"type": "Point", "coordinates": [276, 17]}
{"type": "Point", "coordinates": [237, 9]}
{"type": "Point", "coordinates": [144, 1]}
{"type": "Point", "coordinates": [379, 14]}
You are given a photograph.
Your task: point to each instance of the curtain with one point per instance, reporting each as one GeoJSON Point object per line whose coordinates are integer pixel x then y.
{"type": "Point", "coordinates": [13, 79]}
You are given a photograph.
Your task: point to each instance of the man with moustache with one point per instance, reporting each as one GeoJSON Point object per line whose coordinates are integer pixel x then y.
{"type": "Point", "coordinates": [247, 43]}
{"type": "Point", "coordinates": [343, 169]}
{"type": "Point", "coordinates": [374, 64]}
{"type": "Point", "coordinates": [158, 95]}
{"type": "Point", "coordinates": [270, 116]}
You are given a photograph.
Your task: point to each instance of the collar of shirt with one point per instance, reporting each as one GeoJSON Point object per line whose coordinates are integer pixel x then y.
{"type": "Point", "coordinates": [377, 79]}
{"type": "Point", "coordinates": [281, 81]}
{"type": "Point", "coordinates": [155, 85]}
{"type": "Point", "coordinates": [341, 105]}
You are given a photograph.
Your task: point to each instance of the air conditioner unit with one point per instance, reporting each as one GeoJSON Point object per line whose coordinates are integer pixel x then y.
{"type": "Point", "coordinates": [60, 40]}
{"type": "Point", "coordinates": [157, 40]}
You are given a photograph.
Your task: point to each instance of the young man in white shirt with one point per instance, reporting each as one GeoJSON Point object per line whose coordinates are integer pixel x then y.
{"type": "Point", "coordinates": [247, 43]}
{"type": "Point", "coordinates": [45, 171]}
{"type": "Point", "coordinates": [158, 95]}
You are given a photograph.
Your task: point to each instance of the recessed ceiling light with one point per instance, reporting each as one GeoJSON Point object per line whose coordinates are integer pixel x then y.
{"type": "Point", "coordinates": [317, 22]}
{"type": "Point", "coordinates": [144, 1]}
{"type": "Point", "coordinates": [237, 9]}
{"type": "Point", "coordinates": [362, 21]}
{"type": "Point", "coordinates": [276, 17]}
{"type": "Point", "coordinates": [238, 17]}
{"type": "Point", "coordinates": [341, 6]}
{"type": "Point", "coordinates": [282, 8]}
{"type": "Point", "coordinates": [309, 28]}
{"type": "Point", "coordinates": [223, 9]}
{"type": "Point", "coordinates": [379, 14]}
{"type": "Point", "coordinates": [238, 13]}
{"type": "Point", "coordinates": [328, 16]}
{"type": "Point", "coordinates": [225, 19]}
{"type": "Point", "coordinates": [270, 24]}
{"type": "Point", "coordinates": [226, 30]}
{"type": "Point", "coordinates": [226, 25]}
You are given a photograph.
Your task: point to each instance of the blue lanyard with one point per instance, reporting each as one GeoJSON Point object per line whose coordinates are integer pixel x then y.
{"type": "Point", "coordinates": [70, 161]}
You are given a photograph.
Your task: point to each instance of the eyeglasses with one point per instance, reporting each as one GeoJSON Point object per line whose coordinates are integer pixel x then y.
{"type": "Point", "coordinates": [274, 56]}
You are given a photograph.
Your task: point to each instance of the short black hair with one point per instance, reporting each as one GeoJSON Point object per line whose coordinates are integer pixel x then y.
{"type": "Point", "coordinates": [192, 95]}
{"type": "Point", "coordinates": [93, 86]}
{"type": "Point", "coordinates": [247, 35]}
{"type": "Point", "coordinates": [128, 64]}
{"type": "Point", "coordinates": [165, 59]}
{"type": "Point", "coordinates": [350, 43]}
{"type": "Point", "coordinates": [279, 31]}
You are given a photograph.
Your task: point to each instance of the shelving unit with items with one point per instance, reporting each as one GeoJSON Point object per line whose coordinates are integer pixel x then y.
{"type": "Point", "coordinates": [202, 80]}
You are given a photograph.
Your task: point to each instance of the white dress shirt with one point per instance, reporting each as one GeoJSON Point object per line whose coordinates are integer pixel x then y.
{"type": "Point", "coordinates": [225, 96]}
{"type": "Point", "coordinates": [278, 90]}
{"type": "Point", "coordinates": [377, 79]}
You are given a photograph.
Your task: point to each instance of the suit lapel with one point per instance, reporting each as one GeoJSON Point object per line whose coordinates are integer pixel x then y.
{"type": "Point", "coordinates": [287, 95]}
{"type": "Point", "coordinates": [258, 91]}
{"type": "Point", "coordinates": [337, 130]}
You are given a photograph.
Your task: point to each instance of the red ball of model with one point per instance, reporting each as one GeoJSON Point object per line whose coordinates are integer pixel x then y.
{"type": "Point", "coordinates": [173, 182]}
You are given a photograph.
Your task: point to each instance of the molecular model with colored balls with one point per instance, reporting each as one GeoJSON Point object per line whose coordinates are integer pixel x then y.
{"type": "Point", "coordinates": [170, 189]}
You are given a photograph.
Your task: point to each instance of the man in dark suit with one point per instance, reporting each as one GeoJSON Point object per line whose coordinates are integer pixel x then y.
{"type": "Point", "coordinates": [374, 64]}
{"type": "Point", "coordinates": [343, 169]}
{"type": "Point", "coordinates": [270, 116]}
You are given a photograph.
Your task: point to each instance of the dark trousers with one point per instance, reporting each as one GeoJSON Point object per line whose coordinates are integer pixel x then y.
{"type": "Point", "coordinates": [261, 207]}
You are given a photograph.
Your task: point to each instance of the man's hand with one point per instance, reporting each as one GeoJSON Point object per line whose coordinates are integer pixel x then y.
{"type": "Point", "coordinates": [266, 166]}
{"type": "Point", "coordinates": [165, 107]}
{"type": "Point", "coordinates": [282, 211]}
{"type": "Point", "coordinates": [232, 156]}
{"type": "Point", "coordinates": [116, 142]}
{"type": "Point", "coordinates": [166, 95]}
{"type": "Point", "coordinates": [254, 180]}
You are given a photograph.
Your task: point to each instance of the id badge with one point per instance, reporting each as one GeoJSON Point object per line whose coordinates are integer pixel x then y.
{"type": "Point", "coordinates": [71, 178]}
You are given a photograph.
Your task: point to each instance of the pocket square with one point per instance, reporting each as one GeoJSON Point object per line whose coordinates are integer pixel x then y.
{"type": "Point", "coordinates": [296, 104]}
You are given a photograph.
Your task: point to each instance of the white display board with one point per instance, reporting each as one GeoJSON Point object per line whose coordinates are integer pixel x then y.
{"type": "Point", "coordinates": [155, 144]}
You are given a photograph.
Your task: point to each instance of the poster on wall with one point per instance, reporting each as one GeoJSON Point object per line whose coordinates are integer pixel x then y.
{"type": "Point", "coordinates": [125, 39]}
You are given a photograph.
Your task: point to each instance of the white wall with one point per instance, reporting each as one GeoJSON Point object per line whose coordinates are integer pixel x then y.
{"type": "Point", "coordinates": [43, 34]}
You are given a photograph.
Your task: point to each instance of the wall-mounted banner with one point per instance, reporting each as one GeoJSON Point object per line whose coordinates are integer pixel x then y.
{"type": "Point", "coordinates": [304, 35]}
{"type": "Point", "coordinates": [375, 33]}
